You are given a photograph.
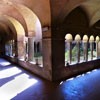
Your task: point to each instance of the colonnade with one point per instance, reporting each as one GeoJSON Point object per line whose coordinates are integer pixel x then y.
{"type": "Point", "coordinates": [86, 43]}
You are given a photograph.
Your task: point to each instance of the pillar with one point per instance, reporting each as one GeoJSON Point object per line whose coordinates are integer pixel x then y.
{"type": "Point", "coordinates": [69, 39]}
{"type": "Point", "coordinates": [30, 48]}
{"type": "Point", "coordinates": [47, 53]}
{"type": "Point", "coordinates": [98, 55]}
{"type": "Point", "coordinates": [85, 49]}
{"type": "Point", "coordinates": [97, 46]}
{"type": "Point", "coordinates": [78, 39]}
{"type": "Point", "coordinates": [47, 57]}
{"type": "Point", "coordinates": [91, 40]}
{"type": "Point", "coordinates": [97, 51]}
{"type": "Point", "coordinates": [21, 49]}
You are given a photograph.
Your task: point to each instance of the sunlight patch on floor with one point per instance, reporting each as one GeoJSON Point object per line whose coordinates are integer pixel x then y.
{"type": "Point", "coordinates": [5, 63]}
{"type": "Point", "coordinates": [16, 86]}
{"type": "Point", "coordinates": [9, 72]}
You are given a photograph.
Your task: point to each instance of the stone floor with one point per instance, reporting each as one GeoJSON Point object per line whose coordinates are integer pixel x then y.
{"type": "Point", "coordinates": [18, 84]}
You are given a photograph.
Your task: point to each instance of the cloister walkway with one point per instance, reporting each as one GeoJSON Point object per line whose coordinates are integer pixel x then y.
{"type": "Point", "coordinates": [19, 84]}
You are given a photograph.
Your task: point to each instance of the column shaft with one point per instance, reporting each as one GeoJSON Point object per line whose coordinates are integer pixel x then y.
{"type": "Point", "coordinates": [30, 49]}
{"type": "Point", "coordinates": [85, 51]}
{"type": "Point", "coordinates": [21, 49]}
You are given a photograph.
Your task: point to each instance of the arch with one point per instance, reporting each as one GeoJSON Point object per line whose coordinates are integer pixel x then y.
{"type": "Point", "coordinates": [32, 21]}
{"type": "Point", "coordinates": [27, 18]}
{"type": "Point", "coordinates": [95, 28]}
{"type": "Point", "coordinates": [76, 21]}
{"type": "Point", "coordinates": [92, 8]}
{"type": "Point", "coordinates": [42, 11]}
{"type": "Point", "coordinates": [10, 26]}
{"type": "Point", "coordinates": [6, 7]}
{"type": "Point", "coordinates": [4, 27]}
{"type": "Point", "coordinates": [12, 38]}
{"type": "Point", "coordinates": [95, 18]}
{"type": "Point", "coordinates": [19, 28]}
{"type": "Point", "coordinates": [3, 32]}
{"type": "Point", "coordinates": [20, 52]}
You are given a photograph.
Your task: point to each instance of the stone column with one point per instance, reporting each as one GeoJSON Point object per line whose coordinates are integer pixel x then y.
{"type": "Point", "coordinates": [30, 48]}
{"type": "Point", "coordinates": [21, 49]}
{"type": "Point", "coordinates": [47, 57]}
{"type": "Point", "coordinates": [91, 40]}
{"type": "Point", "coordinates": [69, 39]}
{"type": "Point", "coordinates": [85, 47]}
{"type": "Point", "coordinates": [98, 50]}
{"type": "Point", "coordinates": [97, 46]}
{"type": "Point", "coordinates": [47, 53]}
{"type": "Point", "coordinates": [78, 39]}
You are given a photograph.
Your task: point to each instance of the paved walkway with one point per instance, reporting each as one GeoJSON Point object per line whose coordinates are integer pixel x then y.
{"type": "Point", "coordinates": [18, 84]}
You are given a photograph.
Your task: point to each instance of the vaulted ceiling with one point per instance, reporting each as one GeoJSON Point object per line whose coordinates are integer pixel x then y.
{"type": "Point", "coordinates": [62, 8]}
{"type": "Point", "coordinates": [21, 16]}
